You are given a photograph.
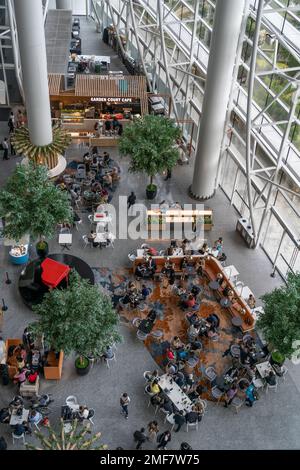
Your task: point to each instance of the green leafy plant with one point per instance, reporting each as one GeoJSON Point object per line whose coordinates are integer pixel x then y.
{"type": "Point", "coordinates": [76, 439]}
{"type": "Point", "coordinates": [79, 318]}
{"type": "Point", "coordinates": [280, 322]}
{"type": "Point", "coordinates": [32, 204]}
{"type": "Point", "coordinates": [150, 142]}
{"type": "Point", "coordinates": [41, 155]}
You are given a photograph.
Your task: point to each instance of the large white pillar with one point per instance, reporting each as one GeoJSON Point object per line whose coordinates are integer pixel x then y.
{"type": "Point", "coordinates": [226, 30]}
{"type": "Point", "coordinates": [30, 26]}
{"type": "Point", "coordinates": [64, 4]}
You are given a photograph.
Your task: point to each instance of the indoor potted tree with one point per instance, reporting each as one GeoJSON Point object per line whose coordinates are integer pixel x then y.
{"type": "Point", "coordinates": [32, 204]}
{"type": "Point", "coordinates": [79, 318]}
{"type": "Point", "coordinates": [151, 144]}
{"type": "Point", "coordinates": [76, 439]}
{"type": "Point", "coordinates": [280, 321]}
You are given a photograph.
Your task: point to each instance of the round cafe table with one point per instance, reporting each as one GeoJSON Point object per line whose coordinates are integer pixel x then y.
{"type": "Point", "coordinates": [214, 285]}
{"type": "Point", "coordinates": [237, 321]}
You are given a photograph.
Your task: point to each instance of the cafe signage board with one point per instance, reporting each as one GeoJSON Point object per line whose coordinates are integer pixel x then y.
{"type": "Point", "coordinates": [111, 99]}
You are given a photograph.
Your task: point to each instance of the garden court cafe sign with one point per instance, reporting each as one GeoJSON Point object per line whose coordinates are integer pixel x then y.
{"type": "Point", "coordinates": [107, 99]}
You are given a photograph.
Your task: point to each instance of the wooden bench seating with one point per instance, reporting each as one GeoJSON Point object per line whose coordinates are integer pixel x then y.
{"type": "Point", "coordinates": [211, 268]}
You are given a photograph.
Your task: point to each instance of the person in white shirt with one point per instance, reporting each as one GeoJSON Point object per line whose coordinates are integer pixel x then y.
{"type": "Point", "coordinates": [83, 413]}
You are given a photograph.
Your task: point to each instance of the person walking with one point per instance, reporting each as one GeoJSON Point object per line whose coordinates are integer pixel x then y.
{"type": "Point", "coordinates": [163, 440]}
{"type": "Point", "coordinates": [131, 200]}
{"type": "Point", "coordinates": [11, 123]}
{"type": "Point", "coordinates": [12, 149]}
{"type": "Point", "coordinates": [5, 148]}
{"type": "Point", "coordinates": [179, 419]}
{"type": "Point", "coordinates": [168, 175]}
{"type": "Point", "coordinates": [153, 430]}
{"type": "Point", "coordinates": [124, 402]}
{"type": "Point", "coordinates": [140, 438]}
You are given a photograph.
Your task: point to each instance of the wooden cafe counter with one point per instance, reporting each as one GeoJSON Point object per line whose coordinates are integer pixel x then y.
{"type": "Point", "coordinates": [211, 267]}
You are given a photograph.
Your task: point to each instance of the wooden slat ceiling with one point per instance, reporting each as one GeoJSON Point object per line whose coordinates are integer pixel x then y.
{"type": "Point", "coordinates": [127, 87]}
{"type": "Point", "coordinates": [55, 83]}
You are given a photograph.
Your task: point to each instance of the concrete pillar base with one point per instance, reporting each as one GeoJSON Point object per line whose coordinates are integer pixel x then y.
{"type": "Point", "coordinates": [57, 170]}
{"type": "Point", "coordinates": [198, 197]}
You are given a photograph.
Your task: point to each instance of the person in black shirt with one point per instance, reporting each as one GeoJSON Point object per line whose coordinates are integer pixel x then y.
{"type": "Point", "coordinates": [131, 199]}
{"type": "Point", "coordinates": [179, 419]}
{"type": "Point", "coordinates": [168, 406]}
{"type": "Point", "coordinates": [3, 443]}
{"type": "Point", "coordinates": [140, 438]}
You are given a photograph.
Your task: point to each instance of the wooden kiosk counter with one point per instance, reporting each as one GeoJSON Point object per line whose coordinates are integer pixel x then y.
{"type": "Point", "coordinates": [97, 99]}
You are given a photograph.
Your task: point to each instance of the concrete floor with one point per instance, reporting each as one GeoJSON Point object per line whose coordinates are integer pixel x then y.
{"type": "Point", "coordinates": [273, 422]}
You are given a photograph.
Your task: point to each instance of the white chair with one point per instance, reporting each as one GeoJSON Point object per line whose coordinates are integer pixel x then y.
{"type": "Point", "coordinates": [165, 413]}
{"type": "Point", "coordinates": [91, 218]}
{"type": "Point", "coordinates": [14, 437]}
{"type": "Point", "coordinates": [71, 400]}
{"type": "Point", "coordinates": [37, 424]}
{"type": "Point", "coordinates": [237, 403]}
{"type": "Point", "coordinates": [147, 373]}
{"type": "Point", "coordinates": [141, 336]}
{"type": "Point", "coordinates": [108, 360]}
{"type": "Point", "coordinates": [132, 257]}
{"type": "Point", "coordinates": [136, 321]}
{"type": "Point", "coordinates": [86, 241]}
{"type": "Point", "coordinates": [192, 425]}
{"type": "Point", "coordinates": [284, 372]}
{"type": "Point", "coordinates": [217, 394]}
{"type": "Point", "coordinates": [272, 387]}
{"type": "Point", "coordinates": [210, 374]}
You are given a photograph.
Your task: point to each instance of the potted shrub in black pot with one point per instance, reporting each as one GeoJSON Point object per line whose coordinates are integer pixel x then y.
{"type": "Point", "coordinates": [91, 321]}
{"type": "Point", "coordinates": [280, 321]}
{"type": "Point", "coordinates": [151, 144]}
{"type": "Point", "coordinates": [42, 249]}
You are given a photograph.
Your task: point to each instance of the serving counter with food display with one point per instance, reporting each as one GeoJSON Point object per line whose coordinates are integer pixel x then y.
{"type": "Point", "coordinates": [88, 111]}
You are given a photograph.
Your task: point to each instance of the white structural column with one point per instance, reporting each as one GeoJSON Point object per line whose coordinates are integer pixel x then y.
{"type": "Point", "coordinates": [223, 49]}
{"type": "Point", "coordinates": [31, 35]}
{"type": "Point", "coordinates": [64, 4]}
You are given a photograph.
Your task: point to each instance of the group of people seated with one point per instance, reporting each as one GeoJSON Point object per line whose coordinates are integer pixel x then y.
{"type": "Point", "coordinates": [146, 269]}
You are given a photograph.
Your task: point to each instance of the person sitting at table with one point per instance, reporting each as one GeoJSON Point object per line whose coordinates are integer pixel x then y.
{"type": "Point", "coordinates": [251, 301]}
{"type": "Point", "coordinates": [230, 394]}
{"type": "Point", "coordinates": [115, 175]}
{"type": "Point", "coordinates": [220, 278]}
{"type": "Point", "coordinates": [35, 417]}
{"type": "Point", "coordinates": [195, 290]}
{"type": "Point", "coordinates": [91, 238]}
{"type": "Point", "coordinates": [83, 413]}
{"type": "Point", "coordinates": [157, 400]}
{"type": "Point", "coordinates": [32, 376]}
{"type": "Point", "coordinates": [193, 416]}
{"type": "Point", "coordinates": [145, 292]}
{"type": "Point", "coordinates": [179, 378]}
{"type": "Point", "coordinates": [193, 332]}
{"type": "Point", "coordinates": [183, 267]}
{"type": "Point", "coordinates": [107, 180]}
{"type": "Point", "coordinates": [20, 376]}
{"type": "Point", "coordinates": [152, 315]}
{"type": "Point", "coordinates": [19, 429]}
{"type": "Point", "coordinates": [204, 250]}
{"type": "Point", "coordinates": [244, 356]}
{"type": "Point", "coordinates": [271, 378]}
{"type": "Point", "coordinates": [20, 351]}
{"type": "Point", "coordinates": [171, 368]}
{"type": "Point", "coordinates": [151, 266]}
{"type": "Point", "coordinates": [20, 362]}
{"type": "Point", "coordinates": [152, 375]}
{"type": "Point", "coordinates": [108, 353]}
{"type": "Point", "coordinates": [154, 387]}
{"type": "Point", "coordinates": [168, 405]}
{"type": "Point", "coordinates": [4, 416]}
{"type": "Point", "coordinates": [219, 244]}
{"type": "Point", "coordinates": [140, 270]}
{"type": "Point", "coordinates": [190, 302]}
{"type": "Point", "coordinates": [179, 420]}
{"type": "Point", "coordinates": [107, 125]}
{"type": "Point", "coordinates": [176, 343]}
{"type": "Point", "coordinates": [106, 158]}
{"type": "Point", "coordinates": [192, 318]}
